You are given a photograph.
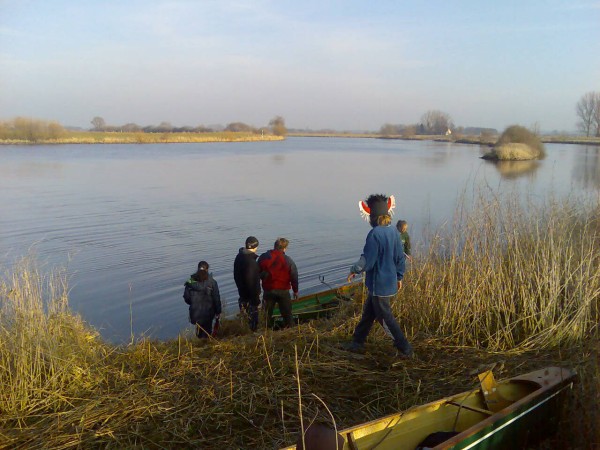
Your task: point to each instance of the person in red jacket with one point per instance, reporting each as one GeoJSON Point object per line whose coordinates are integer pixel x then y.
{"type": "Point", "coordinates": [278, 274]}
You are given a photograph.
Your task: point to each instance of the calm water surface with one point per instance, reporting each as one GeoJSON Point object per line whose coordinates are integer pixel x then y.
{"type": "Point", "coordinates": [131, 222]}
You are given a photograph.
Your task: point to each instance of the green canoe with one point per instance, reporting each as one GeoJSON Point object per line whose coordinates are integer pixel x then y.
{"type": "Point", "coordinates": [319, 304]}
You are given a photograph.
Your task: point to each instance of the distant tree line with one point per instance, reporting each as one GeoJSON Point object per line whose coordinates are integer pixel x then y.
{"type": "Point", "coordinates": [32, 130]}
{"type": "Point", "coordinates": [433, 122]}
{"type": "Point", "coordinates": [276, 127]}
{"type": "Point", "coordinates": [588, 112]}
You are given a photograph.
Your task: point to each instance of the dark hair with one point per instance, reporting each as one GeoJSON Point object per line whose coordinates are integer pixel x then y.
{"type": "Point", "coordinates": [400, 224]}
{"type": "Point", "coordinates": [202, 273]}
{"type": "Point", "coordinates": [281, 244]}
{"type": "Point", "coordinates": [251, 242]}
{"type": "Point", "coordinates": [378, 204]}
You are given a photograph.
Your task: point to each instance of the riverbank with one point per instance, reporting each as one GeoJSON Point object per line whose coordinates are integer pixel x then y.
{"type": "Point", "coordinates": [241, 390]}
{"type": "Point", "coordinates": [92, 137]}
{"type": "Point", "coordinates": [485, 140]}
{"type": "Point", "coordinates": [477, 297]}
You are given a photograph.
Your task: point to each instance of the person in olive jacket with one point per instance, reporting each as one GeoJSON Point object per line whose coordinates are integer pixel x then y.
{"type": "Point", "coordinates": [202, 294]}
{"type": "Point", "coordinates": [246, 274]}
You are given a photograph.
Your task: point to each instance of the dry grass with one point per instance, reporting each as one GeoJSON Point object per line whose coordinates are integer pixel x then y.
{"type": "Point", "coordinates": [506, 288]}
{"type": "Point", "coordinates": [88, 137]}
{"type": "Point", "coordinates": [513, 152]}
{"type": "Point", "coordinates": [510, 275]}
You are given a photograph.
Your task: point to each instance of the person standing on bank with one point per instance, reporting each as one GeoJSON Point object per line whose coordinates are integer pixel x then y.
{"type": "Point", "coordinates": [246, 274]}
{"type": "Point", "coordinates": [402, 227]}
{"type": "Point", "coordinates": [278, 274]}
{"type": "Point", "coordinates": [202, 294]}
{"type": "Point", "coordinates": [384, 261]}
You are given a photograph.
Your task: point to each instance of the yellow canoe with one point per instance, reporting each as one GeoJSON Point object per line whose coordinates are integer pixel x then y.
{"type": "Point", "coordinates": [509, 414]}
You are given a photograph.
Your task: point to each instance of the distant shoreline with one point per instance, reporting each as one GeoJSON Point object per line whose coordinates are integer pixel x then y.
{"type": "Point", "coordinates": [91, 137]}
{"type": "Point", "coordinates": [488, 141]}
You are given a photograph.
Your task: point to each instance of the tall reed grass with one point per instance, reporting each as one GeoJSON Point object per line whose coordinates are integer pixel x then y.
{"type": "Point", "coordinates": [509, 274]}
{"type": "Point", "coordinates": [45, 350]}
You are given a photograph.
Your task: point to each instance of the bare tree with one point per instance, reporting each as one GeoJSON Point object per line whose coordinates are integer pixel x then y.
{"type": "Point", "coordinates": [277, 125]}
{"type": "Point", "coordinates": [409, 130]}
{"type": "Point", "coordinates": [239, 127]}
{"type": "Point", "coordinates": [597, 114]}
{"type": "Point", "coordinates": [98, 123]}
{"type": "Point", "coordinates": [389, 129]}
{"type": "Point", "coordinates": [436, 122]}
{"type": "Point", "coordinates": [55, 130]}
{"type": "Point", "coordinates": [131, 128]}
{"type": "Point", "coordinates": [588, 112]}
{"type": "Point", "coordinates": [165, 127]}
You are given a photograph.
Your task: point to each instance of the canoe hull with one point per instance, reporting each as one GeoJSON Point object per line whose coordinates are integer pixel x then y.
{"type": "Point", "coordinates": [525, 422]}
{"type": "Point", "coordinates": [531, 411]}
{"type": "Point", "coordinates": [319, 304]}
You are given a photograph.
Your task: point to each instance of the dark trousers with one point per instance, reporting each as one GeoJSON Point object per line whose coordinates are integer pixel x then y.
{"type": "Point", "coordinates": [283, 299]}
{"type": "Point", "coordinates": [250, 308]}
{"type": "Point", "coordinates": [204, 329]}
{"type": "Point", "coordinates": [378, 308]}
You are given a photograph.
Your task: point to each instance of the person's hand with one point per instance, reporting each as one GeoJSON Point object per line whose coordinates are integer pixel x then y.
{"type": "Point", "coordinates": [295, 296]}
{"type": "Point", "coordinates": [399, 284]}
{"type": "Point", "coordinates": [350, 277]}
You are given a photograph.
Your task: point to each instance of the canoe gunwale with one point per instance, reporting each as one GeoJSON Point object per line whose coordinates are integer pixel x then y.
{"type": "Point", "coordinates": [550, 383]}
{"type": "Point", "coordinates": [547, 389]}
{"type": "Point", "coordinates": [503, 419]}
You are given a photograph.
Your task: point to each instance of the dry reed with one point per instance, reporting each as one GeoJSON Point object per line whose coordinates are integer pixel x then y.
{"type": "Point", "coordinates": [509, 275]}
{"type": "Point", "coordinates": [88, 137]}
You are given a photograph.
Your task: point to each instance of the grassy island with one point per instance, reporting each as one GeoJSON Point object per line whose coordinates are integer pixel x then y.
{"type": "Point", "coordinates": [507, 285]}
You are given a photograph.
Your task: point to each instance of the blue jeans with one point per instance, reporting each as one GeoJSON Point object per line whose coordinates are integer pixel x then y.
{"type": "Point", "coordinates": [378, 308]}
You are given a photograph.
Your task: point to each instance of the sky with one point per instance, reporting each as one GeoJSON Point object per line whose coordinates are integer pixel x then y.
{"type": "Point", "coordinates": [343, 65]}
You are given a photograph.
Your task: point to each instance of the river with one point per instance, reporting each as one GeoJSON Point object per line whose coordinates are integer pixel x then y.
{"type": "Point", "coordinates": [131, 222]}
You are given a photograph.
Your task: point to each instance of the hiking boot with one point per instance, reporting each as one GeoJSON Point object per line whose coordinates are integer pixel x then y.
{"type": "Point", "coordinates": [354, 347]}
{"type": "Point", "coordinates": [399, 354]}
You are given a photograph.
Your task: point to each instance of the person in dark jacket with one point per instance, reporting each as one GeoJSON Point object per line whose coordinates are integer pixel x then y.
{"type": "Point", "coordinates": [246, 274]}
{"type": "Point", "coordinates": [384, 261]}
{"type": "Point", "coordinates": [202, 294]}
{"type": "Point", "coordinates": [278, 274]}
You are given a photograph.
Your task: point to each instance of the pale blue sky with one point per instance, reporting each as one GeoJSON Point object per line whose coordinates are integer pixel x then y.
{"type": "Point", "coordinates": [346, 65]}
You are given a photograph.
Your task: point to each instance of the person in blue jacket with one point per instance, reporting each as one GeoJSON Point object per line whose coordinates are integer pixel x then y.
{"type": "Point", "coordinates": [383, 260]}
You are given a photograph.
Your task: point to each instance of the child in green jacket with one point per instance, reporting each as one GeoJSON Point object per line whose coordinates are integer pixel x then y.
{"type": "Point", "coordinates": [402, 227]}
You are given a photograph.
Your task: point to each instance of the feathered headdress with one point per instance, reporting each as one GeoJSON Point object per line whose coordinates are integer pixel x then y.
{"type": "Point", "coordinates": [377, 205]}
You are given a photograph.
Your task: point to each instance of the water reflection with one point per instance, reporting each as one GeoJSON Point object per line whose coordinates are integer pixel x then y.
{"type": "Point", "coordinates": [515, 169]}
{"type": "Point", "coordinates": [586, 168]}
